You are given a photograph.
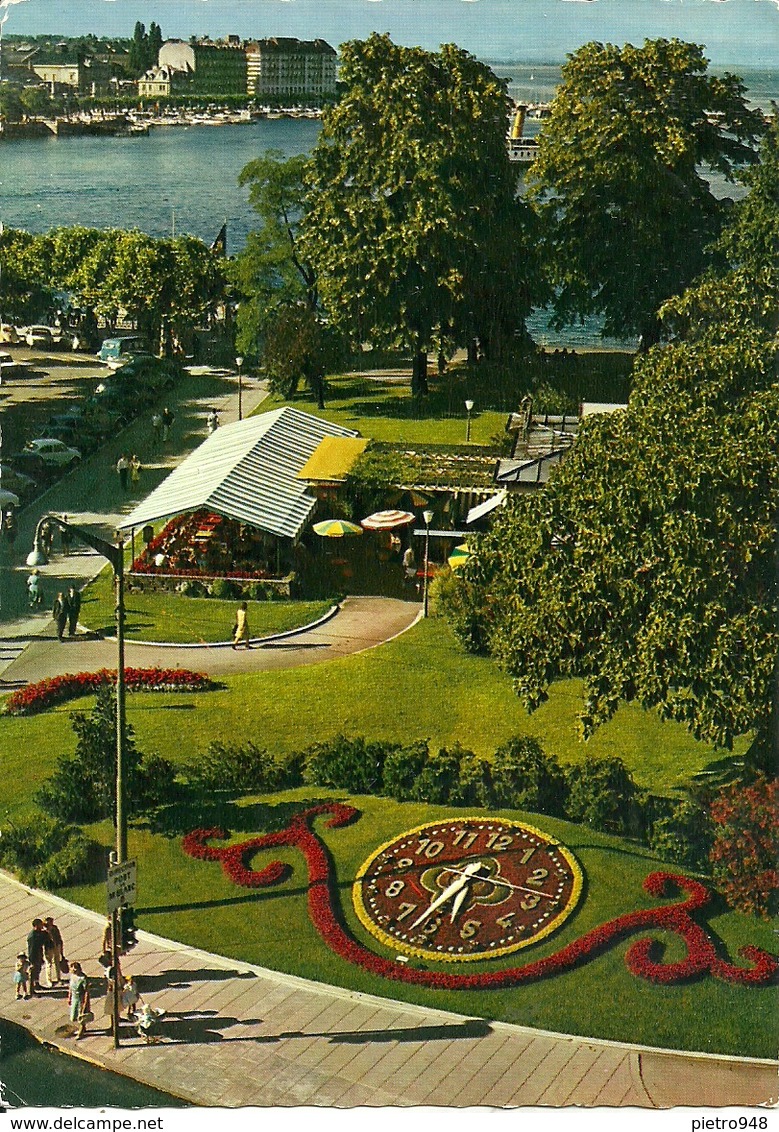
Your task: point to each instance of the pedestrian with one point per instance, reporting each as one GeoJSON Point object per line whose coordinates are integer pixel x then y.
{"type": "Point", "coordinates": [409, 564]}
{"type": "Point", "coordinates": [123, 469]}
{"type": "Point", "coordinates": [213, 422]}
{"type": "Point", "coordinates": [78, 999]}
{"type": "Point", "coordinates": [59, 612]}
{"type": "Point", "coordinates": [53, 950]}
{"type": "Point", "coordinates": [167, 423]}
{"type": "Point", "coordinates": [47, 539]}
{"type": "Point", "coordinates": [34, 591]}
{"type": "Point", "coordinates": [36, 942]}
{"type": "Point", "coordinates": [22, 976]}
{"type": "Point", "coordinates": [131, 996]}
{"type": "Point", "coordinates": [156, 427]}
{"type": "Point", "coordinates": [241, 627]}
{"type": "Point", "coordinates": [74, 608]}
{"type": "Point", "coordinates": [66, 537]}
{"type": "Point", "coordinates": [10, 527]}
{"type": "Point", "coordinates": [135, 470]}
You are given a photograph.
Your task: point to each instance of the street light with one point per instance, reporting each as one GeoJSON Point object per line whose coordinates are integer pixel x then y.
{"type": "Point", "coordinates": [428, 517]}
{"type": "Point", "coordinates": [239, 363]}
{"type": "Point", "coordinates": [115, 555]}
{"type": "Point", "coordinates": [468, 409]}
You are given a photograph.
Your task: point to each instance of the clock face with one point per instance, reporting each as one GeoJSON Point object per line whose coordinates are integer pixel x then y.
{"type": "Point", "coordinates": [467, 888]}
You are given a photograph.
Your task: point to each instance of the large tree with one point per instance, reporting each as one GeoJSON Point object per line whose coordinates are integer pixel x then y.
{"type": "Point", "coordinates": [648, 564]}
{"type": "Point", "coordinates": [621, 177]}
{"type": "Point", "coordinates": [413, 224]}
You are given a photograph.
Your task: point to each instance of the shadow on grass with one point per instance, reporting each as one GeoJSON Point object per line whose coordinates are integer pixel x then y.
{"type": "Point", "coordinates": [195, 809]}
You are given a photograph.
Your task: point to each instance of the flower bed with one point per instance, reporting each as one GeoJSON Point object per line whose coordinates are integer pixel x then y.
{"type": "Point", "coordinates": [642, 958]}
{"type": "Point", "coordinates": [59, 689]}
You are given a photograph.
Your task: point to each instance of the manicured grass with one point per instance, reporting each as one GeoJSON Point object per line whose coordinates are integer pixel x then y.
{"type": "Point", "coordinates": [420, 685]}
{"type": "Point", "coordinates": [194, 902]}
{"type": "Point", "coordinates": [382, 407]}
{"type": "Point", "coordinates": [186, 620]}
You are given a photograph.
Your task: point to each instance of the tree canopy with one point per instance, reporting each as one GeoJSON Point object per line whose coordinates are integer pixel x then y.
{"type": "Point", "coordinates": [412, 223]}
{"type": "Point", "coordinates": [648, 564]}
{"type": "Point", "coordinates": [621, 178]}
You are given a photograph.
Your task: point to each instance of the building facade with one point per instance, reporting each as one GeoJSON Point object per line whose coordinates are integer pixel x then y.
{"type": "Point", "coordinates": [283, 69]}
{"type": "Point", "coordinates": [215, 68]}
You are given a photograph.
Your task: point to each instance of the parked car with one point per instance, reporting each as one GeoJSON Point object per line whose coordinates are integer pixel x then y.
{"type": "Point", "coordinates": [47, 452]}
{"type": "Point", "coordinates": [10, 367]}
{"type": "Point", "coordinates": [9, 334]}
{"type": "Point", "coordinates": [43, 336]}
{"type": "Point", "coordinates": [114, 352]}
{"type": "Point", "coordinates": [147, 372]}
{"type": "Point", "coordinates": [19, 484]}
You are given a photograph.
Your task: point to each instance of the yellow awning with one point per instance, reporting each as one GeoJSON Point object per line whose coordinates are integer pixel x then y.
{"type": "Point", "coordinates": [332, 460]}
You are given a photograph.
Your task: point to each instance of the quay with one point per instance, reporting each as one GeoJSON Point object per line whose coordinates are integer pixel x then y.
{"type": "Point", "coordinates": [237, 1035]}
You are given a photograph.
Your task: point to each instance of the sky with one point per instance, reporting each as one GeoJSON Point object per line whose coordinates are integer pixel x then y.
{"type": "Point", "coordinates": [735, 32]}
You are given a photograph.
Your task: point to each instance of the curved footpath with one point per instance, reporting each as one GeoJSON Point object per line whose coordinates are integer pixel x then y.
{"type": "Point", "coordinates": [360, 623]}
{"type": "Point", "coordinates": [255, 1037]}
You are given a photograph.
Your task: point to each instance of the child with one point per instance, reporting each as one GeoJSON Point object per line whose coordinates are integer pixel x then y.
{"type": "Point", "coordinates": [130, 997]}
{"type": "Point", "coordinates": [22, 975]}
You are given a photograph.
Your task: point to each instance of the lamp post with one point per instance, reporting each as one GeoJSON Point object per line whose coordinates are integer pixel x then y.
{"type": "Point", "coordinates": [468, 409]}
{"type": "Point", "coordinates": [428, 517]}
{"type": "Point", "coordinates": [115, 555]}
{"type": "Point", "coordinates": [239, 363]}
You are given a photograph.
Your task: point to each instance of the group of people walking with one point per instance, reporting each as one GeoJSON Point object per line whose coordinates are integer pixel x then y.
{"type": "Point", "coordinates": [45, 950]}
{"type": "Point", "coordinates": [44, 957]}
{"type": "Point", "coordinates": [128, 469]}
{"type": "Point", "coordinates": [65, 611]}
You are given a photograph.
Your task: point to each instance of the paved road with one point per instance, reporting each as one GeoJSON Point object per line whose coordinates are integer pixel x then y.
{"type": "Point", "coordinates": [255, 1037]}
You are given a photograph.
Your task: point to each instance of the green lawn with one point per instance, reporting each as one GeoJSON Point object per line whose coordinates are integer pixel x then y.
{"type": "Point", "coordinates": [186, 620]}
{"type": "Point", "coordinates": [194, 902]}
{"type": "Point", "coordinates": [420, 685]}
{"type": "Point", "coordinates": [382, 407]}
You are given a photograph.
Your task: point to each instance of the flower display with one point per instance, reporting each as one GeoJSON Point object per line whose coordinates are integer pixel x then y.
{"type": "Point", "coordinates": [59, 689]}
{"type": "Point", "coordinates": [643, 958]}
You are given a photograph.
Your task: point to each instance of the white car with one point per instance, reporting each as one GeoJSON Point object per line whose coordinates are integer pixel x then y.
{"type": "Point", "coordinates": [53, 453]}
{"type": "Point", "coordinates": [41, 336]}
{"type": "Point", "coordinates": [9, 367]}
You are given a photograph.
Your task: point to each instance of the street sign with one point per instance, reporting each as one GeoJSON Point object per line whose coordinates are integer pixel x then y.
{"type": "Point", "coordinates": [121, 885]}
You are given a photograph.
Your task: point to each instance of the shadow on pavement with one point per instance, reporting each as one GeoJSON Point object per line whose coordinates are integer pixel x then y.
{"type": "Point", "coordinates": [472, 1028]}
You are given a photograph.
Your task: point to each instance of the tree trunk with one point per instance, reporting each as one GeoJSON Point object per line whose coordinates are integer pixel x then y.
{"type": "Point", "coordinates": [419, 371]}
{"type": "Point", "coordinates": [473, 351]}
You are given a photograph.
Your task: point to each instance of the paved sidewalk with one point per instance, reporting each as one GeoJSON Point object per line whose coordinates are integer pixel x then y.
{"type": "Point", "coordinates": [361, 623]}
{"type": "Point", "coordinates": [254, 1037]}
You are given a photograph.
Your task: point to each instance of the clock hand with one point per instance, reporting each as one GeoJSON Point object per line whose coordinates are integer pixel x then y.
{"type": "Point", "coordinates": [462, 880]}
{"type": "Point", "coordinates": [505, 883]}
{"type": "Point", "coordinates": [457, 903]}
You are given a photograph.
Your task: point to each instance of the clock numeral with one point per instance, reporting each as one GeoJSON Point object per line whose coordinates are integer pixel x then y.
{"type": "Point", "coordinates": [523, 860]}
{"type": "Point", "coordinates": [429, 848]}
{"type": "Point", "coordinates": [530, 901]}
{"type": "Point", "coordinates": [405, 910]}
{"type": "Point", "coordinates": [466, 836]}
{"type": "Point", "coordinates": [505, 921]}
{"type": "Point", "coordinates": [395, 888]}
{"type": "Point", "coordinates": [405, 863]}
{"type": "Point", "coordinates": [431, 927]}
{"type": "Point", "coordinates": [538, 876]}
{"type": "Point", "coordinates": [469, 929]}
{"type": "Point", "coordinates": [499, 840]}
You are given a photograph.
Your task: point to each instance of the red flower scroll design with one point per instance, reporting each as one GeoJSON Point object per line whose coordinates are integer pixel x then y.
{"type": "Point", "coordinates": [642, 957]}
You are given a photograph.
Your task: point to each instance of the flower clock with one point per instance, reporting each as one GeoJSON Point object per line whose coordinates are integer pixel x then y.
{"type": "Point", "coordinates": [477, 888]}
{"type": "Point", "coordinates": [467, 888]}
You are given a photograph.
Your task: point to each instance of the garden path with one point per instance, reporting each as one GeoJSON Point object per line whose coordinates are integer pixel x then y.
{"type": "Point", "coordinates": [257, 1037]}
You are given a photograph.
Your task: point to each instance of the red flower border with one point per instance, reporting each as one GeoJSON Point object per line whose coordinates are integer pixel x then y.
{"type": "Point", "coordinates": [641, 958]}
{"type": "Point", "coordinates": [58, 689]}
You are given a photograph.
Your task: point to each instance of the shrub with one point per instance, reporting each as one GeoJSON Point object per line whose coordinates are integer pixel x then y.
{"type": "Point", "coordinates": [48, 852]}
{"type": "Point", "coordinates": [83, 786]}
{"type": "Point", "coordinates": [191, 588]}
{"type": "Point", "coordinates": [684, 835]}
{"type": "Point", "coordinates": [475, 787]}
{"type": "Point", "coordinates": [402, 767]}
{"type": "Point", "coordinates": [524, 777]}
{"type": "Point", "coordinates": [246, 769]}
{"type": "Point", "coordinates": [746, 847]}
{"type": "Point", "coordinates": [347, 764]}
{"type": "Point", "coordinates": [440, 782]}
{"type": "Point", "coordinates": [258, 591]}
{"type": "Point", "coordinates": [602, 794]}
{"type": "Point", "coordinates": [222, 588]}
